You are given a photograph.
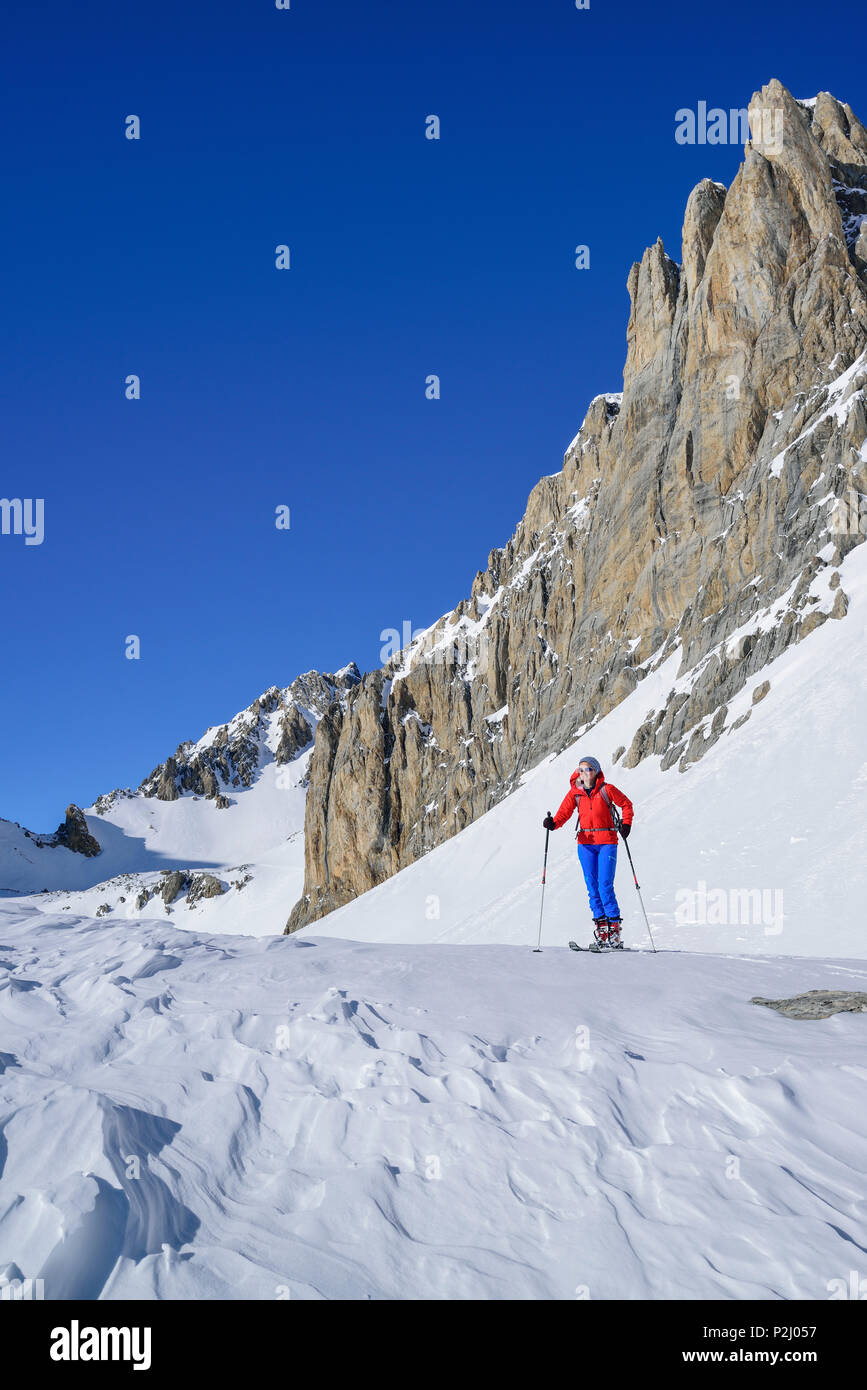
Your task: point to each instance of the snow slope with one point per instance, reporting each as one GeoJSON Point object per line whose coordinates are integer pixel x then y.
{"type": "Point", "coordinates": [257, 840]}
{"type": "Point", "coordinates": [186, 1116]}
{"type": "Point", "coordinates": [261, 834]}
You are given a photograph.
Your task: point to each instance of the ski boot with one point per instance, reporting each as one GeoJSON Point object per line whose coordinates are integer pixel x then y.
{"type": "Point", "coordinates": [600, 940]}
{"type": "Point", "coordinates": [614, 939]}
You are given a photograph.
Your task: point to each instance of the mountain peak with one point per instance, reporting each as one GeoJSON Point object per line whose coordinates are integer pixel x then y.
{"type": "Point", "coordinates": [278, 725]}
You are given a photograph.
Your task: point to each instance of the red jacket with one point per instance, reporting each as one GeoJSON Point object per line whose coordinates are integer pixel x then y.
{"type": "Point", "coordinates": [595, 826]}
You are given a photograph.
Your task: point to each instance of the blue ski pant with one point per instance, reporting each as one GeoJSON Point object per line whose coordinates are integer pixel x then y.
{"type": "Point", "coordinates": [598, 863]}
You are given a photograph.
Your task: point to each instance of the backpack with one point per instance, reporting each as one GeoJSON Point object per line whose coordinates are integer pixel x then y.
{"type": "Point", "coordinates": [615, 814]}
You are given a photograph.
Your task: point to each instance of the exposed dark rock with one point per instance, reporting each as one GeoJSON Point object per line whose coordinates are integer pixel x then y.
{"type": "Point", "coordinates": [173, 883]}
{"type": "Point", "coordinates": [74, 834]}
{"type": "Point", "coordinates": [166, 788]}
{"type": "Point", "coordinates": [818, 1003]}
{"type": "Point", "coordinates": [203, 886]}
{"type": "Point", "coordinates": [295, 735]}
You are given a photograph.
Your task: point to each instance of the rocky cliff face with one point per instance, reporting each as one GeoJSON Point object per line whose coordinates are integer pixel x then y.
{"type": "Point", "coordinates": [279, 726]}
{"type": "Point", "coordinates": [702, 500]}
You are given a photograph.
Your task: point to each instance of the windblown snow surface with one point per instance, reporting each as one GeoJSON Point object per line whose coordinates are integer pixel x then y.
{"type": "Point", "coordinates": [315, 1118]}
{"type": "Point", "coordinates": [405, 1101]}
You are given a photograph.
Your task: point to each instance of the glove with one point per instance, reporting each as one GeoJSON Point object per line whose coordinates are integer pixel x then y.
{"type": "Point", "coordinates": [625, 829]}
{"type": "Point", "coordinates": [548, 823]}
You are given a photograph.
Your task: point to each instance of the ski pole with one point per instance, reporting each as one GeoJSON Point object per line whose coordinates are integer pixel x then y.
{"type": "Point", "coordinates": [618, 825]}
{"type": "Point", "coordinates": [538, 947]}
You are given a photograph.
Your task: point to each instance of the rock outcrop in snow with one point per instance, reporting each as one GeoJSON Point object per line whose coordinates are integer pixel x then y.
{"type": "Point", "coordinates": [698, 511]}
{"type": "Point", "coordinates": [72, 833]}
{"type": "Point", "coordinates": [818, 1003]}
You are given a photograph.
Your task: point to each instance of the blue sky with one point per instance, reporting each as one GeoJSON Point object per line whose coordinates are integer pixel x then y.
{"type": "Point", "coordinates": [306, 387]}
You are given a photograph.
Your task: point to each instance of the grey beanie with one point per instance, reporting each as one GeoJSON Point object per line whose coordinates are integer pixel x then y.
{"type": "Point", "coordinates": [591, 762]}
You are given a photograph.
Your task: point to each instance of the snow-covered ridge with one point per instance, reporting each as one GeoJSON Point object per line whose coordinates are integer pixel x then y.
{"type": "Point", "coordinates": [230, 805]}
{"type": "Point", "coordinates": [466, 635]}
{"type": "Point", "coordinates": [278, 726]}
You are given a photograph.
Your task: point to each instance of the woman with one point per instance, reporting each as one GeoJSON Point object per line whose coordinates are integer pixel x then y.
{"type": "Point", "coordinates": [597, 844]}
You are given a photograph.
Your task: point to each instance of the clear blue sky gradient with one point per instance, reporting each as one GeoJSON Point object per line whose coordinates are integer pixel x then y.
{"type": "Point", "coordinates": [307, 387]}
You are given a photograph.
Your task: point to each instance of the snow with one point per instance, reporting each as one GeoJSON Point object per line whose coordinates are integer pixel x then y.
{"type": "Point", "coordinates": [306, 1118]}
{"type": "Point", "coordinates": [255, 846]}
{"type": "Point", "coordinates": [431, 643]}
{"type": "Point", "coordinates": [840, 401]}
{"type": "Point", "coordinates": [853, 221]}
{"type": "Point", "coordinates": [763, 621]}
{"type": "Point", "coordinates": [261, 830]}
{"type": "Point", "coordinates": [580, 512]}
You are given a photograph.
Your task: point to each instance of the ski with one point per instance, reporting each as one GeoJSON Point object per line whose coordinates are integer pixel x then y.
{"type": "Point", "coordinates": [606, 951]}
